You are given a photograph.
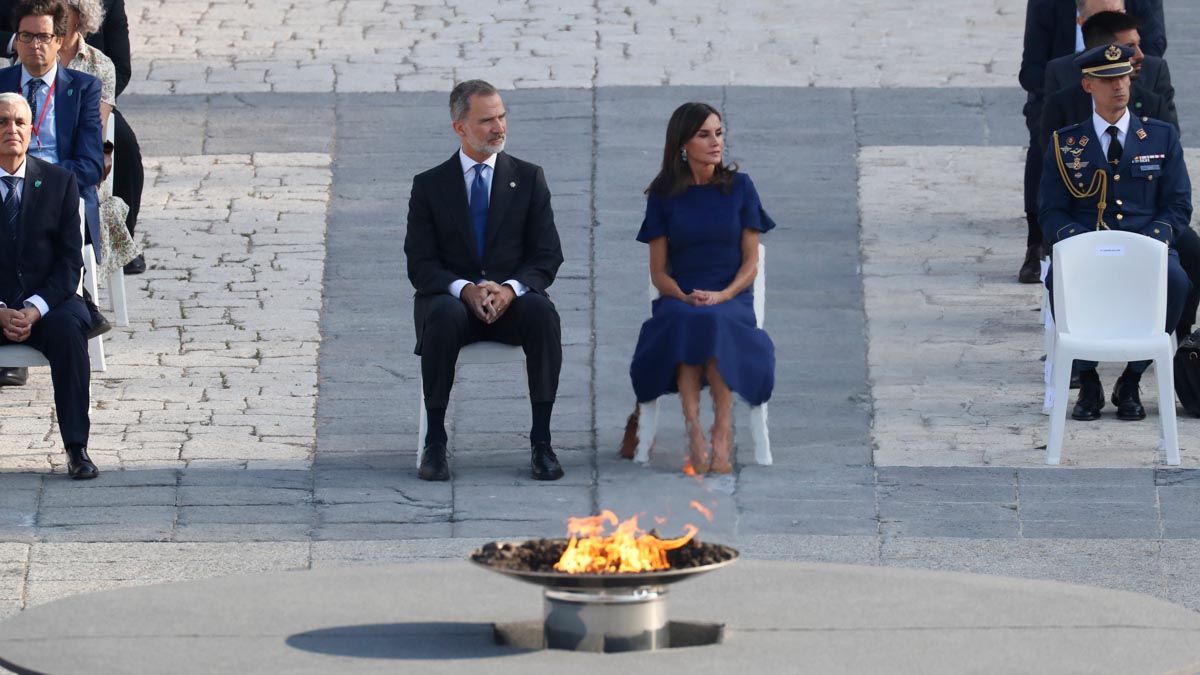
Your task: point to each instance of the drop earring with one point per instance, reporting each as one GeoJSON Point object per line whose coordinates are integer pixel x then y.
{"type": "Point", "coordinates": [683, 155]}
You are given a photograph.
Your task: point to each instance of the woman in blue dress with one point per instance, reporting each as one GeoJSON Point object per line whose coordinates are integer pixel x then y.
{"type": "Point", "coordinates": [703, 221]}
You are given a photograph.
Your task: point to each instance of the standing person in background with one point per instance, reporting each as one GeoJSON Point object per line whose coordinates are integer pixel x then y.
{"type": "Point", "coordinates": [1053, 28]}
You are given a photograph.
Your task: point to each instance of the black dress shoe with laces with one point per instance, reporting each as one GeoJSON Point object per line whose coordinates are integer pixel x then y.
{"type": "Point", "coordinates": [13, 377]}
{"type": "Point", "coordinates": [1128, 400]}
{"type": "Point", "coordinates": [544, 463]}
{"type": "Point", "coordinates": [100, 324]}
{"type": "Point", "coordinates": [434, 465]}
{"type": "Point", "coordinates": [79, 465]}
{"type": "Point", "coordinates": [1090, 401]}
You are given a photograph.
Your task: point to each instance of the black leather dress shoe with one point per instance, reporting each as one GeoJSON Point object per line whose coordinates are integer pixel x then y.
{"type": "Point", "coordinates": [434, 465]}
{"type": "Point", "coordinates": [79, 465]}
{"type": "Point", "coordinates": [544, 463]}
{"type": "Point", "coordinates": [13, 377]}
{"type": "Point", "coordinates": [1128, 400]}
{"type": "Point", "coordinates": [136, 266]}
{"type": "Point", "coordinates": [1090, 401]}
{"type": "Point", "coordinates": [100, 324]}
{"type": "Point", "coordinates": [1031, 269]}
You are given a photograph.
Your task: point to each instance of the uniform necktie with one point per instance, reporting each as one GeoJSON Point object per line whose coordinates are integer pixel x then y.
{"type": "Point", "coordinates": [479, 208]}
{"type": "Point", "coordinates": [31, 88]}
{"type": "Point", "coordinates": [12, 206]}
{"type": "Point", "coordinates": [1114, 146]}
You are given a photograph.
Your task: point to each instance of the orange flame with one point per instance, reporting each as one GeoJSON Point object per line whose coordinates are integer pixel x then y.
{"type": "Point", "coordinates": [628, 549]}
{"type": "Point", "coordinates": [705, 512]}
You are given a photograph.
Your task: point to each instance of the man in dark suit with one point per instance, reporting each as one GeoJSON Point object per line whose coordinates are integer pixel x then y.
{"type": "Point", "coordinates": [1150, 73]}
{"type": "Point", "coordinates": [1052, 30]}
{"type": "Point", "coordinates": [39, 273]}
{"type": "Point", "coordinates": [1120, 172]}
{"type": "Point", "coordinates": [66, 114]}
{"type": "Point", "coordinates": [482, 248]}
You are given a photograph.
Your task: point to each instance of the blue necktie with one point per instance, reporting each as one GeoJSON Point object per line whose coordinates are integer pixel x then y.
{"type": "Point", "coordinates": [479, 208]}
{"type": "Point", "coordinates": [31, 88]}
{"type": "Point", "coordinates": [12, 206]}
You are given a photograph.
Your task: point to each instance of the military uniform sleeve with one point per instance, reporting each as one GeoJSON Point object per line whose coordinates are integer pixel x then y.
{"type": "Point", "coordinates": [1054, 202]}
{"type": "Point", "coordinates": [1174, 198]}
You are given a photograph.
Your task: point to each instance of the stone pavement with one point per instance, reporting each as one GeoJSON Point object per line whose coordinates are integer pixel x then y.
{"type": "Point", "coordinates": [259, 413]}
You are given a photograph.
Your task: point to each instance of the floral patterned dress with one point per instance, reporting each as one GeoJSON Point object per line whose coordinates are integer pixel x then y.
{"type": "Point", "coordinates": [116, 245]}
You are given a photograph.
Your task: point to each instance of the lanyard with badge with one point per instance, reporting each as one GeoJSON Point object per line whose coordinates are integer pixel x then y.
{"type": "Point", "coordinates": [42, 117]}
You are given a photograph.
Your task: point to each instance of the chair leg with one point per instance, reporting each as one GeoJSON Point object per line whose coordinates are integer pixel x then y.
{"type": "Point", "coordinates": [646, 431]}
{"type": "Point", "coordinates": [116, 292]}
{"type": "Point", "coordinates": [422, 422]}
{"type": "Point", "coordinates": [762, 437]}
{"type": "Point", "coordinates": [1164, 373]}
{"type": "Point", "coordinates": [1060, 392]}
{"type": "Point", "coordinates": [96, 353]}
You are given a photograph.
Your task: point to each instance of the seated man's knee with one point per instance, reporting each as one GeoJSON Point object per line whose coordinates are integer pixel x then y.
{"type": "Point", "coordinates": [534, 307]}
{"type": "Point", "coordinates": [445, 313]}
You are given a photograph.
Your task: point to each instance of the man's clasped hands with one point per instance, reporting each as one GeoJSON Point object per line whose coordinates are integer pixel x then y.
{"type": "Point", "coordinates": [16, 323]}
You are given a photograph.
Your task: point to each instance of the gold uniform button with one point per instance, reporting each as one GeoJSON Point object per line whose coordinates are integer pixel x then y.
{"type": "Point", "coordinates": [1150, 177]}
{"type": "Point", "coordinates": [1072, 231]}
{"type": "Point", "coordinates": [1156, 230]}
{"type": "Point", "coordinates": [1081, 185]}
{"type": "Point", "coordinates": [1119, 202]}
{"type": "Point", "coordinates": [1120, 217]}
{"type": "Point", "coordinates": [1145, 119]}
{"type": "Point", "coordinates": [1117, 177]}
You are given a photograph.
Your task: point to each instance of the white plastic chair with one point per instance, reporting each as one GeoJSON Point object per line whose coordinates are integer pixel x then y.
{"type": "Point", "coordinates": [476, 353]}
{"type": "Point", "coordinates": [116, 281]}
{"type": "Point", "coordinates": [1110, 304]}
{"type": "Point", "coordinates": [1047, 318]}
{"type": "Point", "coordinates": [648, 412]}
{"type": "Point", "coordinates": [88, 281]}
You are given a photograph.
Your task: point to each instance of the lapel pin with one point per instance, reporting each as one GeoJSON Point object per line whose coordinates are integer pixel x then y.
{"type": "Point", "coordinates": [70, 92]}
{"type": "Point", "coordinates": [37, 183]}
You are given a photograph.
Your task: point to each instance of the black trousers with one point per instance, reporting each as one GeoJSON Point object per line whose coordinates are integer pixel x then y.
{"type": "Point", "coordinates": [446, 326]}
{"type": "Point", "coordinates": [61, 336]}
{"type": "Point", "coordinates": [128, 174]}
{"type": "Point", "coordinates": [1033, 172]}
{"type": "Point", "coordinates": [1188, 246]}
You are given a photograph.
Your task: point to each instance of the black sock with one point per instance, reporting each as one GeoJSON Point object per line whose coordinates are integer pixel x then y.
{"type": "Point", "coordinates": [540, 433]}
{"type": "Point", "coordinates": [435, 428]}
{"type": "Point", "coordinates": [1089, 375]}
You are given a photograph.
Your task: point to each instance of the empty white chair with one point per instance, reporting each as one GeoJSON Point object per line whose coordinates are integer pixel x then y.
{"type": "Point", "coordinates": [1110, 304]}
{"type": "Point", "coordinates": [476, 353]}
{"type": "Point", "coordinates": [648, 412]}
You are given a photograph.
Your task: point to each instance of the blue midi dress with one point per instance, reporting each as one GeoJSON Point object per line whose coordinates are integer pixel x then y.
{"type": "Point", "coordinates": [703, 227]}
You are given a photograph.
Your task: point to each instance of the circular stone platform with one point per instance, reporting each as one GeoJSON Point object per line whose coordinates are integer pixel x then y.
{"type": "Point", "coordinates": [779, 617]}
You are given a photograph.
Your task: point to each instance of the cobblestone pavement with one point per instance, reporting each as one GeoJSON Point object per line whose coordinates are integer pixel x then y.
{"type": "Point", "coordinates": [262, 403]}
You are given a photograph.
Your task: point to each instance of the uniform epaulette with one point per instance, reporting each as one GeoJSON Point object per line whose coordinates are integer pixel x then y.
{"type": "Point", "coordinates": [1070, 127]}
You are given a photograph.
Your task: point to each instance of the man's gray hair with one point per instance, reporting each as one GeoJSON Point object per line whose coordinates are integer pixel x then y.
{"type": "Point", "coordinates": [460, 98]}
{"type": "Point", "coordinates": [12, 98]}
{"type": "Point", "coordinates": [91, 15]}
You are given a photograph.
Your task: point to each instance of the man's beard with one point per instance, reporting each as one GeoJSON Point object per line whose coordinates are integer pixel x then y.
{"type": "Point", "coordinates": [493, 148]}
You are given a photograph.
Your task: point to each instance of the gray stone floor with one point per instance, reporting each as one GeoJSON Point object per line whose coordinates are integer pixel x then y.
{"type": "Point", "coordinates": [347, 493]}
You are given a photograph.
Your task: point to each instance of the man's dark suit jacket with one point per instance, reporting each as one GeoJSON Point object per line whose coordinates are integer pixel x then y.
{"type": "Point", "coordinates": [521, 242]}
{"type": "Point", "coordinates": [1050, 33]}
{"type": "Point", "coordinates": [1070, 105]}
{"type": "Point", "coordinates": [45, 260]}
{"type": "Point", "coordinates": [77, 130]}
{"type": "Point", "coordinates": [1062, 73]}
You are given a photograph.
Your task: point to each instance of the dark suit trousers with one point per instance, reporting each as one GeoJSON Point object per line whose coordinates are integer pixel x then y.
{"type": "Point", "coordinates": [531, 322]}
{"type": "Point", "coordinates": [1033, 171]}
{"type": "Point", "coordinates": [128, 175]}
{"type": "Point", "coordinates": [61, 336]}
{"type": "Point", "coordinates": [1178, 289]}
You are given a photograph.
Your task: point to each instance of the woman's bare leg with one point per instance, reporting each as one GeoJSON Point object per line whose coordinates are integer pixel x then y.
{"type": "Point", "coordinates": [722, 431]}
{"type": "Point", "coordinates": [688, 380]}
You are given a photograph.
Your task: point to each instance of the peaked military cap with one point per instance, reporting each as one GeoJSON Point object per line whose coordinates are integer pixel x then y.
{"type": "Point", "coordinates": [1105, 61]}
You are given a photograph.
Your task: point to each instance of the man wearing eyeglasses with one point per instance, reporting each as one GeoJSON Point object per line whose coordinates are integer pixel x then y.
{"type": "Point", "coordinates": [65, 105]}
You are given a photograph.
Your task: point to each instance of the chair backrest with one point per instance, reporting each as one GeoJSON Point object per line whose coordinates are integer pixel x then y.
{"type": "Point", "coordinates": [1110, 284]}
{"type": "Point", "coordinates": [760, 288]}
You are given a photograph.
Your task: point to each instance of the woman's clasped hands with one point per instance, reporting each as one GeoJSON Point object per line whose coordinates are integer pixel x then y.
{"type": "Point", "coordinates": [699, 298]}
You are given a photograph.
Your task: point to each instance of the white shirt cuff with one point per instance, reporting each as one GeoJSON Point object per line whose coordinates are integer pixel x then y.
{"type": "Point", "coordinates": [457, 286]}
{"type": "Point", "coordinates": [518, 287]}
{"type": "Point", "coordinates": [37, 301]}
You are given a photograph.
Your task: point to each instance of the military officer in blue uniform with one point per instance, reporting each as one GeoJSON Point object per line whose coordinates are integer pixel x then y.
{"type": "Point", "coordinates": [1120, 172]}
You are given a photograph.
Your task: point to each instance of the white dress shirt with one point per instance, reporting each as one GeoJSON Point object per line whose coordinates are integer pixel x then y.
{"type": "Point", "coordinates": [468, 167]}
{"type": "Point", "coordinates": [34, 300]}
{"type": "Point", "coordinates": [1102, 126]}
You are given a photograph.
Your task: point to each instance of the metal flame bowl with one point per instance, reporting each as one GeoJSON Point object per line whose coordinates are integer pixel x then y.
{"type": "Point", "coordinates": [604, 581]}
{"type": "Point", "coordinates": [605, 612]}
